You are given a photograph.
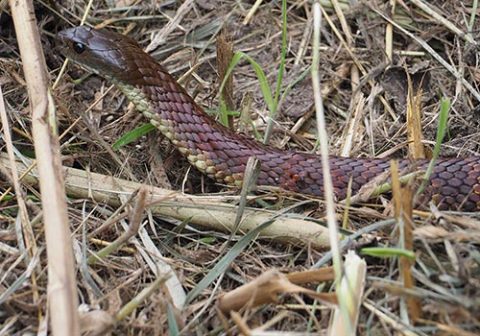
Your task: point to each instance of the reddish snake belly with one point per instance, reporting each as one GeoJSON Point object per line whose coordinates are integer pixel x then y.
{"type": "Point", "coordinates": [222, 154]}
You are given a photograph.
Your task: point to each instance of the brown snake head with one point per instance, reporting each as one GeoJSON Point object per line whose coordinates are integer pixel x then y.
{"type": "Point", "coordinates": [100, 51]}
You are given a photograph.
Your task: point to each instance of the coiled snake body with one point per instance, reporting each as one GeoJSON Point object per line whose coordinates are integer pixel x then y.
{"type": "Point", "coordinates": [222, 154]}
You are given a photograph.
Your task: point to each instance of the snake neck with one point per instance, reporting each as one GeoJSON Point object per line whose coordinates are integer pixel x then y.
{"type": "Point", "coordinates": [209, 146]}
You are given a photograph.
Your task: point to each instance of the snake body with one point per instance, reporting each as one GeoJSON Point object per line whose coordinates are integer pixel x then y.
{"type": "Point", "coordinates": [222, 154]}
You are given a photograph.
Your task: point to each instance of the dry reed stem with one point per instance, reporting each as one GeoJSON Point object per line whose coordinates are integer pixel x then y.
{"type": "Point", "coordinates": [389, 319]}
{"type": "Point", "coordinates": [433, 53]}
{"type": "Point", "coordinates": [62, 297]}
{"type": "Point", "coordinates": [440, 19]}
{"type": "Point", "coordinates": [28, 234]}
{"type": "Point", "coordinates": [352, 288]}
{"type": "Point", "coordinates": [414, 121]}
{"type": "Point", "coordinates": [313, 275]}
{"type": "Point", "coordinates": [224, 57]}
{"type": "Point", "coordinates": [355, 60]}
{"type": "Point", "coordinates": [172, 24]}
{"type": "Point", "coordinates": [354, 121]}
{"type": "Point", "coordinates": [28, 244]}
{"type": "Point", "coordinates": [448, 329]}
{"type": "Point", "coordinates": [196, 209]}
{"type": "Point", "coordinates": [403, 209]}
{"type": "Point", "coordinates": [389, 35]}
{"type": "Point", "coordinates": [356, 108]}
{"type": "Point", "coordinates": [135, 221]}
{"type": "Point", "coordinates": [130, 306]}
{"type": "Point", "coordinates": [327, 178]}
{"type": "Point", "coordinates": [240, 323]}
{"type": "Point", "coordinates": [252, 12]}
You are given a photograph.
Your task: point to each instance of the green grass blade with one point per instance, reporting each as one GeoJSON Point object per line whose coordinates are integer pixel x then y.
{"type": "Point", "coordinates": [441, 131]}
{"type": "Point", "coordinates": [133, 135]}
{"type": "Point", "coordinates": [271, 101]}
{"type": "Point", "coordinates": [172, 322]}
{"type": "Point", "coordinates": [387, 252]}
{"type": "Point", "coordinates": [262, 79]}
{"type": "Point", "coordinates": [225, 262]}
{"type": "Point", "coordinates": [442, 125]}
{"type": "Point", "coordinates": [281, 70]}
{"type": "Point", "coordinates": [283, 56]}
{"type": "Point", "coordinates": [223, 113]}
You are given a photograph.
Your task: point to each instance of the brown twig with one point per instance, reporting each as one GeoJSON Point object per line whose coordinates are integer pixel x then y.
{"type": "Point", "coordinates": [266, 289]}
{"type": "Point", "coordinates": [224, 57]}
{"type": "Point", "coordinates": [135, 221]}
{"type": "Point", "coordinates": [403, 207]}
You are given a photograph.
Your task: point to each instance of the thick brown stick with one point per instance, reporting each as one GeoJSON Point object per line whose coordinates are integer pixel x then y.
{"type": "Point", "coordinates": [62, 296]}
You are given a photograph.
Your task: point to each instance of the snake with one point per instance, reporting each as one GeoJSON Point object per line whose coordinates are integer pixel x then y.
{"type": "Point", "coordinates": [222, 154]}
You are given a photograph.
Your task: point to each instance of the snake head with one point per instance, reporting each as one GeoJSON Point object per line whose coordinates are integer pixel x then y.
{"type": "Point", "coordinates": [100, 51]}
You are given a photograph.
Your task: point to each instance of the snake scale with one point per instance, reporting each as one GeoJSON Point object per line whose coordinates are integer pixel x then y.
{"type": "Point", "coordinates": [222, 154]}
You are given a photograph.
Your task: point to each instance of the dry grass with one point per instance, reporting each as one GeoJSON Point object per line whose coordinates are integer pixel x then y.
{"type": "Point", "coordinates": [131, 288]}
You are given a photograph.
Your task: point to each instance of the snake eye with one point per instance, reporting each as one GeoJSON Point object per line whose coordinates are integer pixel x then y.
{"type": "Point", "coordinates": [78, 47]}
